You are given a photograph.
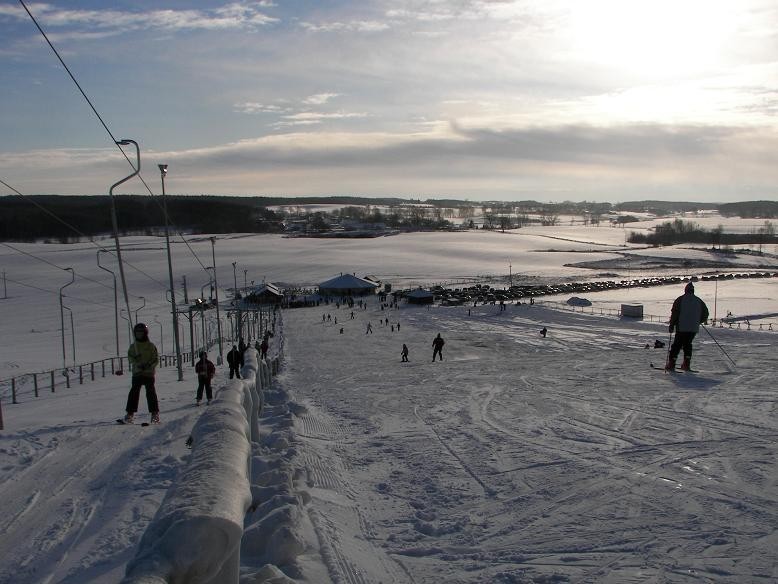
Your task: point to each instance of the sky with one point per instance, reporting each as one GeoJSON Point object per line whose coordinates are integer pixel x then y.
{"type": "Point", "coordinates": [606, 100]}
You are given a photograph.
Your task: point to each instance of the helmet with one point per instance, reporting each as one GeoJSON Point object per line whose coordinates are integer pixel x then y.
{"type": "Point", "coordinates": [141, 327]}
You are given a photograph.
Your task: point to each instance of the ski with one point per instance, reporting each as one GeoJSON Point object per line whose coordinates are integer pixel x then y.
{"type": "Point", "coordinates": [123, 423]}
{"type": "Point", "coordinates": [659, 368]}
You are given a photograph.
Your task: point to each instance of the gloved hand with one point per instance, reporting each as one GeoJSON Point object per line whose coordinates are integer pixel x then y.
{"type": "Point", "coordinates": [672, 328]}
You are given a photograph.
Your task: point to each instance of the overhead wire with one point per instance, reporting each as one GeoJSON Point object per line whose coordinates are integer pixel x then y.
{"type": "Point", "coordinates": [76, 230]}
{"type": "Point", "coordinates": [52, 264]}
{"type": "Point", "coordinates": [104, 124]}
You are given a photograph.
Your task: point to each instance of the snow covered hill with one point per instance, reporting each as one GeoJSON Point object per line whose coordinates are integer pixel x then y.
{"type": "Point", "coordinates": [516, 459]}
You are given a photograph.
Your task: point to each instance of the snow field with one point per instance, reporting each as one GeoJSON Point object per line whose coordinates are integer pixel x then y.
{"type": "Point", "coordinates": [522, 459]}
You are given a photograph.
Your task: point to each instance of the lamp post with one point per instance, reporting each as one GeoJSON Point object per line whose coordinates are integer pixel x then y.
{"type": "Point", "coordinates": [115, 298]}
{"type": "Point", "coordinates": [216, 285]}
{"type": "Point", "coordinates": [173, 310]}
{"type": "Point", "coordinates": [62, 313]}
{"type": "Point", "coordinates": [244, 282]}
{"type": "Point", "coordinates": [115, 222]}
{"type": "Point", "coordinates": [235, 279]}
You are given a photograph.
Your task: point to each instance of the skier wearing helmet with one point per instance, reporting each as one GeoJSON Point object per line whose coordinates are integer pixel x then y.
{"type": "Point", "coordinates": [143, 358]}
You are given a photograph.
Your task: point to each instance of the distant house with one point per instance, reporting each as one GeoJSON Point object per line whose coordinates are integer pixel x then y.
{"type": "Point", "coordinates": [347, 285]}
{"type": "Point", "coordinates": [264, 294]}
{"type": "Point", "coordinates": [420, 296]}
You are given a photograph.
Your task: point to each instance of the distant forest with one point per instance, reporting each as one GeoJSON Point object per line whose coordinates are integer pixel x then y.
{"type": "Point", "coordinates": [71, 218]}
{"type": "Point", "coordinates": [680, 231]}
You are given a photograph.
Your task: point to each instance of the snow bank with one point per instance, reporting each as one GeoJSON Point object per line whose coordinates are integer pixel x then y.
{"type": "Point", "coordinates": [195, 536]}
{"type": "Point", "coordinates": [197, 533]}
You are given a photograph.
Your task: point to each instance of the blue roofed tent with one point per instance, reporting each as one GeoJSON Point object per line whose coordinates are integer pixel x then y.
{"type": "Point", "coordinates": [347, 285]}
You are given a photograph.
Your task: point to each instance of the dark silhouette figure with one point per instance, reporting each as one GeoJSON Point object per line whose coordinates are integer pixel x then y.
{"type": "Point", "coordinates": [543, 332]}
{"type": "Point", "coordinates": [404, 353]}
{"type": "Point", "coordinates": [437, 347]}
{"type": "Point", "coordinates": [205, 370]}
{"type": "Point", "coordinates": [235, 361]}
{"type": "Point", "coordinates": [686, 316]}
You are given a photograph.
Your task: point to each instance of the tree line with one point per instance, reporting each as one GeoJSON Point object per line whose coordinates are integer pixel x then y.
{"type": "Point", "coordinates": [69, 218]}
{"type": "Point", "coordinates": [680, 231]}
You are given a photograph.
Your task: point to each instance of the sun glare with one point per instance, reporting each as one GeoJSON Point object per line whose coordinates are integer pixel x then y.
{"type": "Point", "coordinates": [654, 38]}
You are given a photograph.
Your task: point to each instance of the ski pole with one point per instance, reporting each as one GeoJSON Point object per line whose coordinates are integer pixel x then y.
{"type": "Point", "coordinates": [718, 345]}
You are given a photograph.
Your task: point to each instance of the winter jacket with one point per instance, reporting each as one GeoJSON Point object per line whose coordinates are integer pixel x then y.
{"type": "Point", "coordinates": [143, 358]}
{"type": "Point", "coordinates": [205, 369]}
{"type": "Point", "coordinates": [688, 312]}
{"type": "Point", "coordinates": [438, 342]}
{"type": "Point", "coordinates": [235, 358]}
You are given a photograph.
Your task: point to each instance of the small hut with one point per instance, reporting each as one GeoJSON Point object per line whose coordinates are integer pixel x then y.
{"type": "Point", "coordinates": [265, 294]}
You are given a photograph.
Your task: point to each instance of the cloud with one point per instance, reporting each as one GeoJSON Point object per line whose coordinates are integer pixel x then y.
{"type": "Point", "coordinates": [351, 26]}
{"type": "Point", "coordinates": [252, 107]}
{"type": "Point", "coordinates": [319, 98]}
{"type": "Point", "coordinates": [230, 16]}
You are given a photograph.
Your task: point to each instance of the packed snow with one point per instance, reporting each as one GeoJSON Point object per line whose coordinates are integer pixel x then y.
{"type": "Point", "coordinates": [518, 458]}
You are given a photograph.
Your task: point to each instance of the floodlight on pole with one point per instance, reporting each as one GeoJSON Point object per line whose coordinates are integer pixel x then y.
{"type": "Point", "coordinates": [216, 285]}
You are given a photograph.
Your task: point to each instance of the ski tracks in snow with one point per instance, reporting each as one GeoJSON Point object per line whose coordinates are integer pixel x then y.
{"type": "Point", "coordinates": [521, 458]}
{"type": "Point", "coordinates": [95, 458]}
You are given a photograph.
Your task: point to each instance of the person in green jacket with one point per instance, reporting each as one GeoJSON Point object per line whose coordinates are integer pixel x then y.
{"type": "Point", "coordinates": [143, 358]}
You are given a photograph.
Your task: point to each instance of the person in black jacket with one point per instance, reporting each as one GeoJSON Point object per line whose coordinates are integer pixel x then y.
{"type": "Point", "coordinates": [437, 347]}
{"type": "Point", "coordinates": [205, 370]}
{"type": "Point", "coordinates": [235, 361]}
{"type": "Point", "coordinates": [686, 316]}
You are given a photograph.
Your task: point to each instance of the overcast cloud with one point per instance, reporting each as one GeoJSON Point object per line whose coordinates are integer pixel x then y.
{"type": "Point", "coordinates": [471, 98]}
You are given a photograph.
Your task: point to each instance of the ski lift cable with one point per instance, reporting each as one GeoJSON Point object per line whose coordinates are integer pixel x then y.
{"type": "Point", "coordinates": [102, 121]}
{"type": "Point", "coordinates": [52, 264]}
{"type": "Point", "coordinates": [76, 230]}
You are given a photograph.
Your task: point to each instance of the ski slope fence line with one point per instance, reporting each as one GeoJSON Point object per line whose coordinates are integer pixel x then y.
{"type": "Point", "coordinates": [739, 324]}
{"type": "Point", "coordinates": [29, 385]}
{"type": "Point", "coordinates": [196, 534]}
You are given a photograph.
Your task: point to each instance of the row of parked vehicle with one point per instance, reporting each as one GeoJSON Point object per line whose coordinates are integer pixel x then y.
{"type": "Point", "coordinates": [485, 294]}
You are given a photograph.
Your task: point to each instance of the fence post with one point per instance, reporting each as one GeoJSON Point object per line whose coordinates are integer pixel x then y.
{"type": "Point", "coordinates": [1, 415]}
{"type": "Point", "coordinates": [13, 390]}
{"type": "Point", "coordinates": [35, 383]}
{"type": "Point", "coordinates": [103, 365]}
{"type": "Point", "coordinates": [52, 382]}
{"type": "Point", "coordinates": [80, 375]}
{"type": "Point", "coordinates": [67, 378]}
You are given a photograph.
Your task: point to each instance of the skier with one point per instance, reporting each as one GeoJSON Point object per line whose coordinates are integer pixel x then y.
{"type": "Point", "coordinates": [143, 359]}
{"type": "Point", "coordinates": [543, 332]}
{"type": "Point", "coordinates": [205, 370]}
{"type": "Point", "coordinates": [688, 312]}
{"type": "Point", "coordinates": [369, 329]}
{"type": "Point", "coordinates": [437, 347]}
{"type": "Point", "coordinates": [235, 361]}
{"type": "Point", "coordinates": [404, 353]}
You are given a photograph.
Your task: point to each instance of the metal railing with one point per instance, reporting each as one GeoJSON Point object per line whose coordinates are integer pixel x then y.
{"type": "Point", "coordinates": [714, 323]}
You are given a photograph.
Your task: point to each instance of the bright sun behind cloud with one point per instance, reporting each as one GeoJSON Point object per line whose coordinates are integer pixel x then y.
{"type": "Point", "coordinates": [653, 39]}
